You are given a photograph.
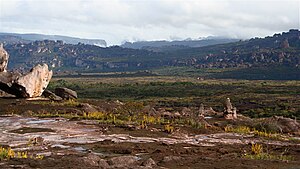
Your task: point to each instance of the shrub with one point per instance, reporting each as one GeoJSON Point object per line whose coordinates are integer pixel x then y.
{"type": "Point", "coordinates": [168, 128]}
{"type": "Point", "coordinates": [258, 154]}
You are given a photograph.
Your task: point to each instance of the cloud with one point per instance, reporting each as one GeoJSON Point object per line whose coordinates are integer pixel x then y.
{"type": "Point", "coordinates": [118, 20]}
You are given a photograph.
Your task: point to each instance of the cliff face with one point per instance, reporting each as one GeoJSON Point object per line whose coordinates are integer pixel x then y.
{"type": "Point", "coordinates": [279, 50]}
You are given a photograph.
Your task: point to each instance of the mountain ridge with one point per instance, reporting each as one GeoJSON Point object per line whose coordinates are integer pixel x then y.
{"type": "Point", "coordinates": [186, 43]}
{"type": "Point", "coordinates": [66, 39]}
{"type": "Point", "coordinates": [279, 50]}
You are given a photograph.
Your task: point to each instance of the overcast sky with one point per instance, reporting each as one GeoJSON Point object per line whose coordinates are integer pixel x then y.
{"type": "Point", "coordinates": [132, 20]}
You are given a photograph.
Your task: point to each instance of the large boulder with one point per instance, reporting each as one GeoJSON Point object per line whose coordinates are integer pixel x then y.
{"type": "Point", "coordinates": [31, 84]}
{"type": "Point", "coordinates": [35, 82]}
{"type": "Point", "coordinates": [51, 95]}
{"type": "Point", "coordinates": [65, 93]}
{"type": "Point", "coordinates": [3, 59]}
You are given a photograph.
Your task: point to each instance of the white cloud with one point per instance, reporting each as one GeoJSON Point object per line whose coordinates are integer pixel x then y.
{"type": "Point", "coordinates": [118, 20]}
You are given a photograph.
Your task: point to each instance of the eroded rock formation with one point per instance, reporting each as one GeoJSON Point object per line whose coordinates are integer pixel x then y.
{"type": "Point", "coordinates": [229, 110]}
{"type": "Point", "coordinates": [3, 59]}
{"type": "Point", "coordinates": [31, 84]}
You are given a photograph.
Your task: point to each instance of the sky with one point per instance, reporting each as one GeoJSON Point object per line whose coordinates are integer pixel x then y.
{"type": "Point", "coordinates": [117, 21]}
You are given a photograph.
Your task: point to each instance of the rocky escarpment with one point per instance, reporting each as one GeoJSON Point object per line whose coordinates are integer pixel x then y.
{"type": "Point", "coordinates": [31, 84]}
{"type": "Point", "coordinates": [277, 50]}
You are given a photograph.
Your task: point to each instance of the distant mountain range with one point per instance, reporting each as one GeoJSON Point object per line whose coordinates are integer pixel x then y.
{"type": "Point", "coordinates": [174, 45]}
{"type": "Point", "coordinates": [278, 55]}
{"type": "Point", "coordinates": [13, 38]}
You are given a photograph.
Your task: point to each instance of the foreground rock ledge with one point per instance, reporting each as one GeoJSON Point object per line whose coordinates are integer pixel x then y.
{"type": "Point", "coordinates": [29, 85]}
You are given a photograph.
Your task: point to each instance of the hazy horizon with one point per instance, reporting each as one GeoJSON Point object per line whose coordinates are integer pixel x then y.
{"type": "Point", "coordinates": [117, 21]}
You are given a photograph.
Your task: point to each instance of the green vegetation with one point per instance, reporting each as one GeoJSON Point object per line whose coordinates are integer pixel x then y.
{"type": "Point", "coordinates": [254, 98]}
{"type": "Point", "coordinates": [253, 73]}
{"type": "Point", "coordinates": [248, 130]}
{"type": "Point", "coordinates": [8, 153]}
{"type": "Point", "coordinates": [168, 128]}
{"type": "Point", "coordinates": [257, 153]}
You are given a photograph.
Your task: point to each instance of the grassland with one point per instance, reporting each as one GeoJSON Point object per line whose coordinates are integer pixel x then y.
{"type": "Point", "coordinates": [254, 98]}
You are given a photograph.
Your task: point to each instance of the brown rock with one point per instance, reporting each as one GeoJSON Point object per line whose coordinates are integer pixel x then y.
{"type": "Point", "coordinates": [96, 161]}
{"type": "Point", "coordinates": [51, 95]}
{"type": "Point", "coordinates": [103, 164]}
{"type": "Point", "coordinates": [150, 163]}
{"type": "Point", "coordinates": [87, 108]}
{"type": "Point", "coordinates": [123, 161]}
{"type": "Point", "coordinates": [65, 93]}
{"type": "Point", "coordinates": [171, 158]}
{"type": "Point", "coordinates": [186, 112]}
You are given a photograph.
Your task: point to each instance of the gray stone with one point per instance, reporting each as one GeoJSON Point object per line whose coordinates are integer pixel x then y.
{"type": "Point", "coordinates": [65, 93]}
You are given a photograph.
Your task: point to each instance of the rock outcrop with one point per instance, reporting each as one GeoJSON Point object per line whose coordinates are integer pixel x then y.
{"type": "Point", "coordinates": [3, 59]}
{"type": "Point", "coordinates": [51, 95]}
{"type": "Point", "coordinates": [29, 85]}
{"type": "Point", "coordinates": [35, 82]}
{"type": "Point", "coordinates": [229, 110]}
{"type": "Point", "coordinates": [286, 125]}
{"type": "Point", "coordinates": [65, 93]}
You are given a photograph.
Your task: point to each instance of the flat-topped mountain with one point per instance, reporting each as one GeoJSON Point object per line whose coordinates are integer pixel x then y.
{"type": "Point", "coordinates": [177, 44]}
{"type": "Point", "coordinates": [12, 38]}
